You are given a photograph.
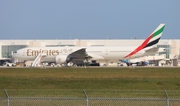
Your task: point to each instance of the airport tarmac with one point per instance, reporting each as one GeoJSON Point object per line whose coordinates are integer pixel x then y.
{"type": "Point", "coordinates": [99, 67]}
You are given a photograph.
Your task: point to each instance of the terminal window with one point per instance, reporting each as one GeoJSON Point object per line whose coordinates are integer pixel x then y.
{"type": "Point", "coordinates": [167, 47]}
{"type": "Point", "coordinates": [7, 50]}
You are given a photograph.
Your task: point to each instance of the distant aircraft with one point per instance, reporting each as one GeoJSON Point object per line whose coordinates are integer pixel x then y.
{"type": "Point", "coordinates": [132, 62]}
{"type": "Point", "coordinates": [65, 55]}
{"type": "Point", "coordinates": [143, 61]}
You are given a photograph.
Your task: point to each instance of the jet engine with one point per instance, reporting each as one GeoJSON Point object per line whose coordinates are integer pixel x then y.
{"type": "Point", "coordinates": [62, 59]}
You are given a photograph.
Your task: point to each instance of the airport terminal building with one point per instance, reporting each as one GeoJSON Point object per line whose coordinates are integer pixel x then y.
{"type": "Point", "coordinates": [8, 46]}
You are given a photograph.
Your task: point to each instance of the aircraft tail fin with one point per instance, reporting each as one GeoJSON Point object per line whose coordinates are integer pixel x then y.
{"type": "Point", "coordinates": [155, 36]}
{"type": "Point", "coordinates": [152, 39]}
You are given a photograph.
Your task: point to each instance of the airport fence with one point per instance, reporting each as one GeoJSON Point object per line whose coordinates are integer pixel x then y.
{"type": "Point", "coordinates": [89, 98]}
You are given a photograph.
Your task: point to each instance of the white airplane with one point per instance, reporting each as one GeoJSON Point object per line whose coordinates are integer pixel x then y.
{"type": "Point", "coordinates": [64, 55]}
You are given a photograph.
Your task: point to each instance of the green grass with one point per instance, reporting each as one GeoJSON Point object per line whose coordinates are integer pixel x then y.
{"type": "Point", "coordinates": [71, 81]}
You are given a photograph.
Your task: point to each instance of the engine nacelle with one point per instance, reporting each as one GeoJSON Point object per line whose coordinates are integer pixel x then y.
{"type": "Point", "coordinates": [61, 59]}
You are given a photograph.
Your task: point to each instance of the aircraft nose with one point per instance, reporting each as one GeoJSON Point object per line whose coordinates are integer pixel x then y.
{"type": "Point", "coordinates": [14, 54]}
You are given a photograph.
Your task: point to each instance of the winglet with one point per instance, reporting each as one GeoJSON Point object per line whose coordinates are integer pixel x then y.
{"type": "Point", "coordinates": [152, 39]}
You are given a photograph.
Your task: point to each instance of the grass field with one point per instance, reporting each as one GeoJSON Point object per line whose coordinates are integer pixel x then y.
{"type": "Point", "coordinates": [30, 81]}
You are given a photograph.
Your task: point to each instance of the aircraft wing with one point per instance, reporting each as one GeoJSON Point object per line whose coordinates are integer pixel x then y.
{"type": "Point", "coordinates": [79, 54]}
{"type": "Point", "coordinates": [94, 56]}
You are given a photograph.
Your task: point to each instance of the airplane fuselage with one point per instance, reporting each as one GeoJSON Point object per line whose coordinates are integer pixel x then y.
{"type": "Point", "coordinates": [98, 53]}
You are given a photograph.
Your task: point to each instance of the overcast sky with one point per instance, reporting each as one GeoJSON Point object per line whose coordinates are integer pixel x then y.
{"type": "Point", "coordinates": [88, 19]}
